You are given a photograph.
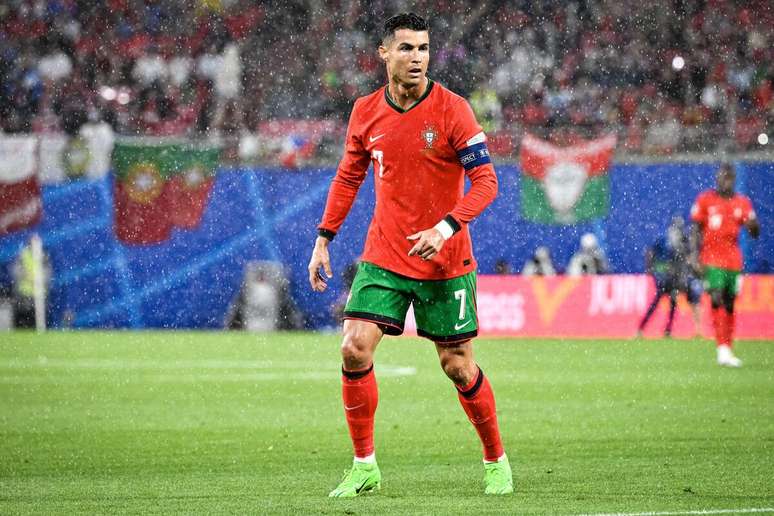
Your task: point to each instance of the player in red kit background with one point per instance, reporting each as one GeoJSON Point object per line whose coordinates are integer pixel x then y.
{"type": "Point", "coordinates": [719, 215]}
{"type": "Point", "coordinates": [422, 141]}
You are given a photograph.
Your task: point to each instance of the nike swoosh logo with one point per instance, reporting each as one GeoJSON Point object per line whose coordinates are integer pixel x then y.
{"type": "Point", "coordinates": [372, 139]}
{"type": "Point", "coordinates": [356, 406]}
{"type": "Point", "coordinates": [361, 486]}
{"type": "Point", "coordinates": [460, 326]}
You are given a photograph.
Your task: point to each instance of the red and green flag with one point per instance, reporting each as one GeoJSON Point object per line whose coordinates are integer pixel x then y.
{"type": "Point", "coordinates": [189, 189]}
{"type": "Point", "coordinates": [159, 186]}
{"type": "Point", "coordinates": [565, 185]}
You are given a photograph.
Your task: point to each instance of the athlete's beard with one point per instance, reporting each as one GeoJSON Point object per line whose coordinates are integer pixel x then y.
{"type": "Point", "coordinates": [407, 84]}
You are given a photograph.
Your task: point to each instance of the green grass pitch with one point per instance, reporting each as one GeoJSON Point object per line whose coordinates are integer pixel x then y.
{"type": "Point", "coordinates": [210, 422]}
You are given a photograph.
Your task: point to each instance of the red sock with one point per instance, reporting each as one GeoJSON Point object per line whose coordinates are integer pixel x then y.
{"type": "Point", "coordinates": [729, 333]}
{"type": "Point", "coordinates": [478, 401]}
{"type": "Point", "coordinates": [719, 323]}
{"type": "Point", "coordinates": [361, 395]}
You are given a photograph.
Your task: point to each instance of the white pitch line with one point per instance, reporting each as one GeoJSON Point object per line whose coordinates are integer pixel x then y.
{"type": "Point", "coordinates": [154, 364]}
{"type": "Point", "coordinates": [162, 365]}
{"type": "Point", "coordinates": [686, 513]}
{"type": "Point", "coordinates": [47, 370]}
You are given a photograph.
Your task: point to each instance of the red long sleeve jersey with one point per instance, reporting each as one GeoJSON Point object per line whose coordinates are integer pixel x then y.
{"type": "Point", "coordinates": [420, 159]}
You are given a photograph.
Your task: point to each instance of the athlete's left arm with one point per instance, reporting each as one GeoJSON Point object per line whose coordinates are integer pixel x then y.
{"type": "Point", "coordinates": [483, 190]}
{"type": "Point", "coordinates": [469, 141]}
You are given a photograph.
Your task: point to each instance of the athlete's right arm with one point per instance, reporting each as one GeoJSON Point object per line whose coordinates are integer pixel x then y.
{"type": "Point", "coordinates": [349, 176]}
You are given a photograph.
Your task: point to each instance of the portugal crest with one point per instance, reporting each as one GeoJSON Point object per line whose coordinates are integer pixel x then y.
{"type": "Point", "coordinates": [429, 135]}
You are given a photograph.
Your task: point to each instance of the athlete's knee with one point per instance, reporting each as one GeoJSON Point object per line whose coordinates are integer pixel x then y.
{"type": "Point", "coordinates": [357, 346]}
{"type": "Point", "coordinates": [458, 372]}
{"type": "Point", "coordinates": [458, 365]}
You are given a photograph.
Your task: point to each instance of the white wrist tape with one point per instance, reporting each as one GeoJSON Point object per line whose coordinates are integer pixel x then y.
{"type": "Point", "coordinates": [445, 228]}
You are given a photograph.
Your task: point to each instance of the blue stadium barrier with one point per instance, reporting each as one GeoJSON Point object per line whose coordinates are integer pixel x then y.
{"type": "Point", "coordinates": [270, 214]}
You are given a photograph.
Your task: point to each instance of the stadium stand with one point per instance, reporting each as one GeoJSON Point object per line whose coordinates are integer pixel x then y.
{"type": "Point", "coordinates": [696, 76]}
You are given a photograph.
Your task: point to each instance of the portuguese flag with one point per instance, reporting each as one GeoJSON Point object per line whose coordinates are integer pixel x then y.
{"type": "Point", "coordinates": [160, 186]}
{"type": "Point", "coordinates": [565, 185]}
{"type": "Point", "coordinates": [189, 189]}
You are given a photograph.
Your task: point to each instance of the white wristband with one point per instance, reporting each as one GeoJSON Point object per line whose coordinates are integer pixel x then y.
{"type": "Point", "coordinates": [445, 228]}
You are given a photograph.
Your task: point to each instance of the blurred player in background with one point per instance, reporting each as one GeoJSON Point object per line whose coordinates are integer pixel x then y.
{"type": "Point", "coordinates": [423, 140]}
{"type": "Point", "coordinates": [668, 260]}
{"type": "Point", "coordinates": [662, 262]}
{"type": "Point", "coordinates": [719, 215]}
{"type": "Point", "coordinates": [688, 277]}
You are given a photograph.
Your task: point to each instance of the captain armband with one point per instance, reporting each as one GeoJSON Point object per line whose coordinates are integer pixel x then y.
{"type": "Point", "coordinates": [474, 155]}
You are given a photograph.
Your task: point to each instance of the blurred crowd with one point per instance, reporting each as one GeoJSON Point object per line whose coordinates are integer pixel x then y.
{"type": "Point", "coordinates": [588, 259]}
{"type": "Point", "coordinates": [684, 75]}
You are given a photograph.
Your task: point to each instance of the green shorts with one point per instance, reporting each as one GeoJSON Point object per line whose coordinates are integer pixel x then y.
{"type": "Point", "coordinates": [445, 310]}
{"type": "Point", "coordinates": [724, 280]}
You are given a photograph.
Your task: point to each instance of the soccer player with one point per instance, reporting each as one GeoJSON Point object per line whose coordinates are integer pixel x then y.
{"type": "Point", "coordinates": [719, 215]}
{"type": "Point", "coordinates": [668, 261]}
{"type": "Point", "coordinates": [662, 262]}
{"type": "Point", "coordinates": [423, 140]}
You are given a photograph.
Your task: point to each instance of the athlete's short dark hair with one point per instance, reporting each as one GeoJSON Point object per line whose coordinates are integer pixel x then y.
{"type": "Point", "coordinates": [409, 21]}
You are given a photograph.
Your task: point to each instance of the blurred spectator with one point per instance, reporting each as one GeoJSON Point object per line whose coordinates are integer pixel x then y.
{"type": "Point", "coordinates": [229, 125]}
{"type": "Point", "coordinates": [98, 134]}
{"type": "Point", "coordinates": [264, 302]}
{"type": "Point", "coordinates": [663, 134]}
{"type": "Point", "coordinates": [540, 264]}
{"type": "Point", "coordinates": [487, 108]}
{"type": "Point", "coordinates": [502, 267]}
{"type": "Point", "coordinates": [589, 259]}
{"type": "Point", "coordinates": [54, 65]}
{"type": "Point", "coordinates": [150, 68]}
{"type": "Point", "coordinates": [31, 272]}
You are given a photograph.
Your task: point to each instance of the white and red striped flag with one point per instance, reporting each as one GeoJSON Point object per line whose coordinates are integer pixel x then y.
{"type": "Point", "coordinates": [20, 202]}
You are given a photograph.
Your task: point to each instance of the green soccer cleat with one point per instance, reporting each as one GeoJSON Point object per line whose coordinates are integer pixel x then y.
{"type": "Point", "coordinates": [498, 477]}
{"type": "Point", "coordinates": [362, 478]}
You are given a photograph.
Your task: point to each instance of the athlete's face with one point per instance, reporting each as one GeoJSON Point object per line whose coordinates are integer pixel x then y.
{"type": "Point", "coordinates": [725, 179]}
{"type": "Point", "coordinates": [407, 54]}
